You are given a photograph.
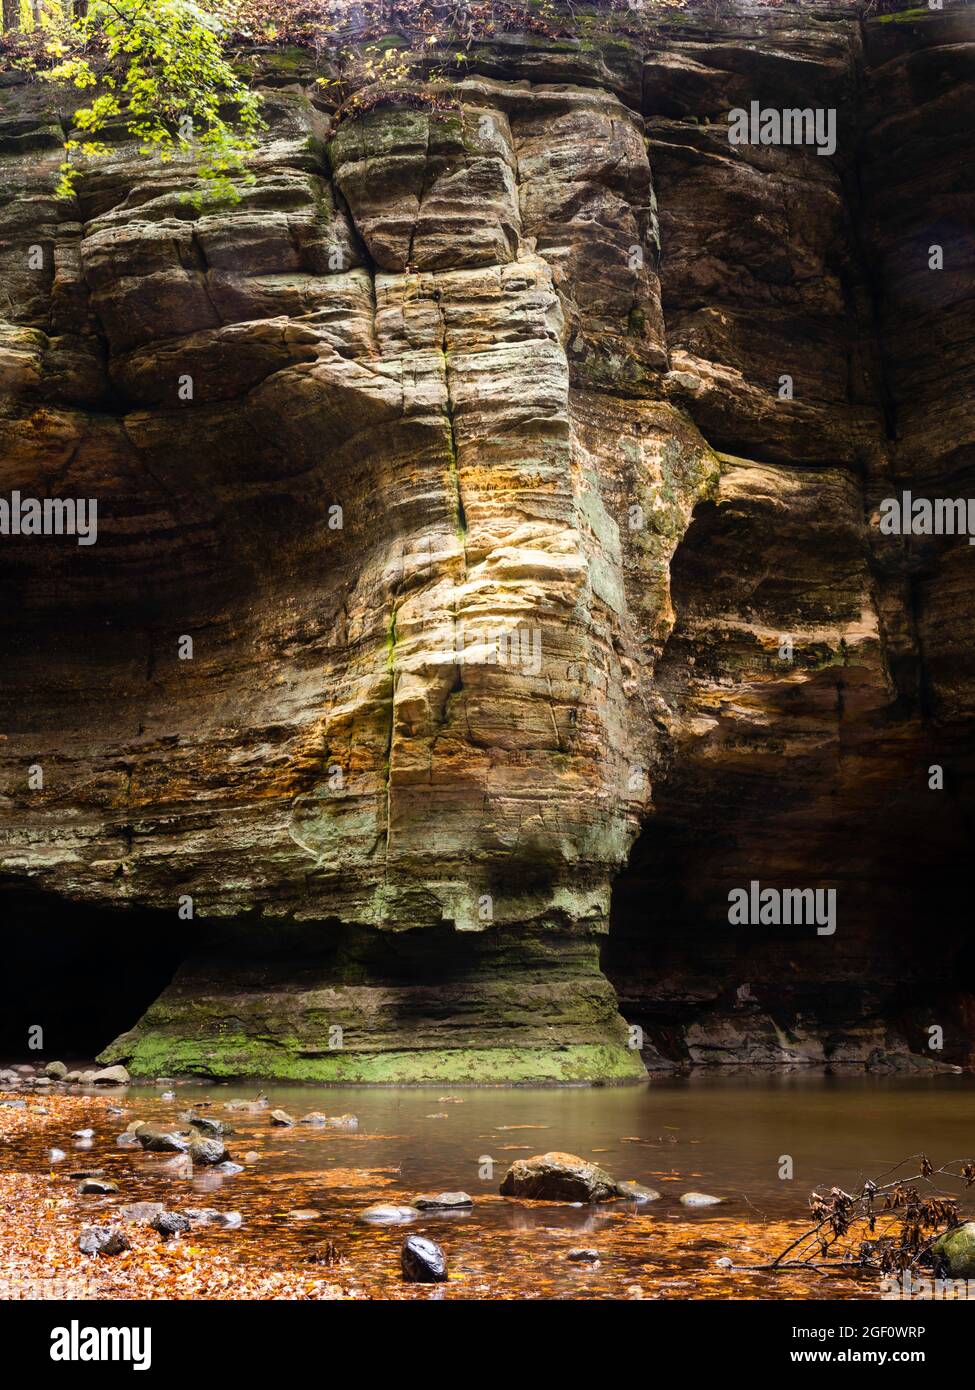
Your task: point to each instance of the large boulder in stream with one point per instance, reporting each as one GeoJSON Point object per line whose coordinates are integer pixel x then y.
{"type": "Point", "coordinates": [955, 1251]}
{"type": "Point", "coordinates": [558, 1177]}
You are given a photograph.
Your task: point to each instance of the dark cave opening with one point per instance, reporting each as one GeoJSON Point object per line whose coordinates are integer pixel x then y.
{"type": "Point", "coordinates": [81, 973]}
{"type": "Point", "coordinates": [901, 955]}
{"type": "Point", "coordinates": [810, 772]}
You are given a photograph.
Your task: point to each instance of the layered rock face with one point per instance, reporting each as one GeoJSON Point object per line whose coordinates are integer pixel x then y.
{"type": "Point", "coordinates": [467, 601]}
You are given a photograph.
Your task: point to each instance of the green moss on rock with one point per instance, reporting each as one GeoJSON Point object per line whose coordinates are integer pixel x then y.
{"type": "Point", "coordinates": [234, 1057]}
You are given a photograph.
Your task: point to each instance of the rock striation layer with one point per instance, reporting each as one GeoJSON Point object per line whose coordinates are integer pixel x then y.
{"type": "Point", "coordinates": [470, 610]}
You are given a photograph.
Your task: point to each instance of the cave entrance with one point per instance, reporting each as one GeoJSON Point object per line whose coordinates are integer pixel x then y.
{"type": "Point", "coordinates": [799, 771]}
{"type": "Point", "coordinates": [82, 973]}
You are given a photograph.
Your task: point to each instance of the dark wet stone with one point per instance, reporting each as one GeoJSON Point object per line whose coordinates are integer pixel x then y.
{"type": "Point", "coordinates": [583, 1256]}
{"type": "Point", "coordinates": [208, 1151]}
{"type": "Point", "coordinates": [443, 1201]}
{"type": "Point", "coordinates": [102, 1240]}
{"type": "Point", "coordinates": [97, 1187]}
{"type": "Point", "coordinates": [206, 1125]}
{"type": "Point", "coordinates": [162, 1141]}
{"type": "Point", "coordinates": [281, 1117]}
{"type": "Point", "coordinates": [423, 1261]}
{"type": "Point", "coordinates": [170, 1223]}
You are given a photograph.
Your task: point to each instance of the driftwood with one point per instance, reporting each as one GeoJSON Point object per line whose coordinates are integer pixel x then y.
{"type": "Point", "coordinates": [885, 1226]}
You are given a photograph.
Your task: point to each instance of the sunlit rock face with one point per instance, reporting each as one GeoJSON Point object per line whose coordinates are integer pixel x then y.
{"type": "Point", "coordinates": [450, 523]}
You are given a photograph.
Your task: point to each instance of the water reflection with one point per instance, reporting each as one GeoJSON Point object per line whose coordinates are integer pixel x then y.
{"type": "Point", "coordinates": [303, 1186]}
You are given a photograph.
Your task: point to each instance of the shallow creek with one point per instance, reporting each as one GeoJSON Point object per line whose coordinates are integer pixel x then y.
{"type": "Point", "coordinates": [303, 1186]}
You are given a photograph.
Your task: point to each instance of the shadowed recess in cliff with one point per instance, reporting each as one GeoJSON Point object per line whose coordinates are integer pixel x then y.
{"type": "Point", "coordinates": [330, 1002]}
{"type": "Point", "coordinates": [792, 762]}
{"type": "Point", "coordinates": [81, 973]}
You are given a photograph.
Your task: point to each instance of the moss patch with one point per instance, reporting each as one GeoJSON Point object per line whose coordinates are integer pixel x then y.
{"type": "Point", "coordinates": [158, 1055]}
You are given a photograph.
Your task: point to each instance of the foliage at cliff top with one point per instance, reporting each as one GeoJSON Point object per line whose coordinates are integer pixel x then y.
{"type": "Point", "coordinates": [167, 72]}
{"type": "Point", "coordinates": [159, 70]}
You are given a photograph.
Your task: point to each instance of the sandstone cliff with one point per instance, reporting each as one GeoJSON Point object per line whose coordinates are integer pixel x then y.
{"type": "Point", "coordinates": [526, 615]}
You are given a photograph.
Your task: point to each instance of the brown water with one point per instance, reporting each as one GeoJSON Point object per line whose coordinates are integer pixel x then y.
{"type": "Point", "coordinates": [722, 1135]}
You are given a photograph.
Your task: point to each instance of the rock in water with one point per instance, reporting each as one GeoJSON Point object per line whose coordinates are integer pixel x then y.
{"type": "Point", "coordinates": [57, 1071]}
{"type": "Point", "coordinates": [443, 1201]}
{"type": "Point", "coordinates": [110, 1076]}
{"type": "Point", "coordinates": [208, 1151]}
{"type": "Point", "coordinates": [956, 1251]}
{"type": "Point", "coordinates": [102, 1240]}
{"type": "Point", "coordinates": [249, 1107]}
{"type": "Point", "coordinates": [281, 1117]}
{"type": "Point", "coordinates": [170, 1223]}
{"type": "Point", "coordinates": [701, 1199]}
{"type": "Point", "coordinates": [206, 1125]}
{"type": "Point", "coordinates": [382, 1214]}
{"type": "Point", "coordinates": [423, 1261]}
{"type": "Point", "coordinates": [97, 1186]}
{"type": "Point", "coordinates": [636, 1192]}
{"type": "Point", "coordinates": [162, 1141]}
{"type": "Point", "coordinates": [583, 1256]}
{"type": "Point", "coordinates": [349, 1122]}
{"type": "Point", "coordinates": [558, 1177]}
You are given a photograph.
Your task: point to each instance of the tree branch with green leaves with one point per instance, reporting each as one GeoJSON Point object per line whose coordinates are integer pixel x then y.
{"type": "Point", "coordinates": [158, 71]}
